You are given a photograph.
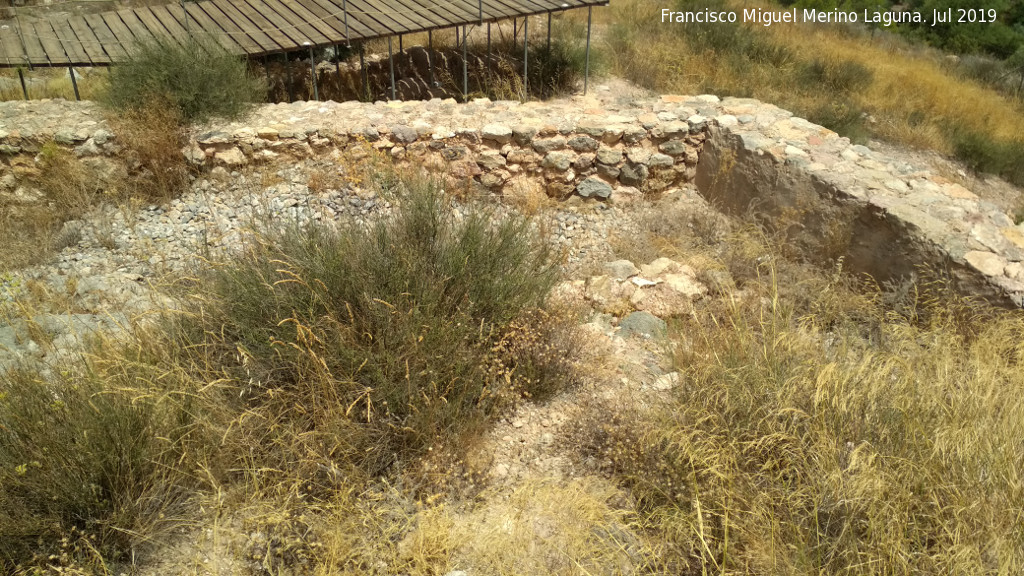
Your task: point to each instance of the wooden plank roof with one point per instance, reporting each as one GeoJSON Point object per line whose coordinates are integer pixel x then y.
{"type": "Point", "coordinates": [248, 27]}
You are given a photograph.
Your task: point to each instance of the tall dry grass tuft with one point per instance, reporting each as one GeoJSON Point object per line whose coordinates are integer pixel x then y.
{"type": "Point", "coordinates": [829, 433]}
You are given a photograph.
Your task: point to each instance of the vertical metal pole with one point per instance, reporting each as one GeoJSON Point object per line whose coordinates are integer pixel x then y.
{"type": "Point", "coordinates": [337, 66]}
{"type": "Point", "coordinates": [456, 37]}
{"type": "Point", "coordinates": [266, 68]}
{"type": "Point", "coordinates": [391, 63]}
{"type": "Point", "coordinates": [312, 69]}
{"type": "Point", "coordinates": [400, 48]}
{"type": "Point", "coordinates": [586, 68]}
{"type": "Point", "coordinates": [24, 90]}
{"type": "Point", "coordinates": [344, 11]}
{"type": "Point", "coordinates": [74, 82]}
{"type": "Point", "coordinates": [465, 73]}
{"type": "Point", "coordinates": [526, 57]}
{"type": "Point", "coordinates": [549, 33]}
{"type": "Point", "coordinates": [515, 33]}
{"type": "Point", "coordinates": [488, 41]}
{"type": "Point", "coordinates": [430, 55]}
{"type": "Point", "coordinates": [185, 13]}
{"type": "Point", "coordinates": [363, 72]}
{"type": "Point", "coordinates": [288, 68]}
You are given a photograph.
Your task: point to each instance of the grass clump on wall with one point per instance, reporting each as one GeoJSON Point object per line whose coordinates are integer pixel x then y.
{"type": "Point", "coordinates": [197, 78]}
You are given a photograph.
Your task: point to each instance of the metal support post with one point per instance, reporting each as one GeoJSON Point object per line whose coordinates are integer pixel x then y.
{"type": "Point", "coordinates": [549, 32]}
{"type": "Point", "coordinates": [430, 55]}
{"type": "Point", "coordinates": [74, 81]}
{"type": "Point", "coordinates": [312, 69]}
{"type": "Point", "coordinates": [526, 57]}
{"type": "Point", "coordinates": [363, 72]}
{"type": "Point", "coordinates": [391, 63]}
{"type": "Point", "coordinates": [24, 90]}
{"type": "Point", "coordinates": [465, 72]}
{"type": "Point", "coordinates": [400, 48]}
{"type": "Point", "coordinates": [586, 67]}
{"type": "Point", "coordinates": [288, 68]}
{"type": "Point", "coordinates": [488, 41]}
{"type": "Point", "coordinates": [337, 64]}
{"type": "Point", "coordinates": [185, 16]}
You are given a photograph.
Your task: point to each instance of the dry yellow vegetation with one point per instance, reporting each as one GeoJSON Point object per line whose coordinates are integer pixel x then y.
{"type": "Point", "coordinates": [858, 84]}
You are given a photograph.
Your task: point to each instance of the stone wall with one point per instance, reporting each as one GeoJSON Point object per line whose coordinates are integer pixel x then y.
{"type": "Point", "coordinates": [883, 214]}
{"type": "Point", "coordinates": [569, 149]}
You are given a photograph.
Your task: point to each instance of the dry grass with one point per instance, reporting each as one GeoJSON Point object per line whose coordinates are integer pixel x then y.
{"type": "Point", "coordinates": [910, 96]}
{"type": "Point", "coordinates": [58, 186]}
{"type": "Point", "coordinates": [825, 427]}
{"type": "Point", "coordinates": [54, 83]}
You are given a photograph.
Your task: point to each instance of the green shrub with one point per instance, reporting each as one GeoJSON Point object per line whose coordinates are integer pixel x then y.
{"type": "Point", "coordinates": [842, 118]}
{"type": "Point", "coordinates": [982, 153]}
{"type": "Point", "coordinates": [840, 76]}
{"type": "Point", "coordinates": [200, 79]}
{"type": "Point", "coordinates": [87, 472]}
{"type": "Point", "coordinates": [395, 333]}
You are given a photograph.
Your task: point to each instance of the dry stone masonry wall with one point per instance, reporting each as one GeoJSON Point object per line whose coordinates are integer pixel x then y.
{"type": "Point", "coordinates": [884, 215]}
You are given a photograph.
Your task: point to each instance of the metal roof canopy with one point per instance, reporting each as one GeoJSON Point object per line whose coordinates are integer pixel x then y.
{"type": "Point", "coordinates": [249, 27]}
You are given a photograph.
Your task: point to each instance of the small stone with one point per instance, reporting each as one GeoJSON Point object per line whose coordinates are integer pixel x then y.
{"type": "Point", "coordinates": [404, 134]}
{"type": "Point", "coordinates": [583, 144]}
{"type": "Point", "coordinates": [666, 381]}
{"type": "Point", "coordinates": [609, 156]}
{"type": "Point", "coordinates": [660, 161]}
{"type": "Point", "coordinates": [594, 186]}
{"type": "Point", "coordinates": [621, 269]}
{"type": "Point", "coordinates": [633, 174]}
{"type": "Point", "coordinates": [545, 145]}
{"type": "Point", "coordinates": [658, 267]}
{"type": "Point", "coordinates": [497, 133]}
{"type": "Point", "coordinates": [987, 263]}
{"type": "Point", "coordinates": [697, 122]}
{"type": "Point", "coordinates": [231, 157]}
{"type": "Point", "coordinates": [642, 324]}
{"type": "Point", "coordinates": [638, 155]}
{"type": "Point", "coordinates": [557, 161]}
{"type": "Point", "coordinates": [674, 147]}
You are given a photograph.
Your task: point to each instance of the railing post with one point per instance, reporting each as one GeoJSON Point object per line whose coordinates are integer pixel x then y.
{"type": "Point", "coordinates": [312, 69]}
{"type": "Point", "coordinates": [391, 63]}
{"type": "Point", "coordinates": [526, 57]}
{"type": "Point", "coordinates": [21, 76]}
{"type": "Point", "coordinates": [74, 82]}
{"type": "Point", "coordinates": [465, 59]}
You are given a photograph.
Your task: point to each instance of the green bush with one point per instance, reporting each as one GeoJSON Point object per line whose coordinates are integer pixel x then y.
{"type": "Point", "coordinates": [396, 332]}
{"type": "Point", "coordinates": [87, 472]}
{"type": "Point", "coordinates": [200, 79]}
{"type": "Point", "coordinates": [982, 153]}
{"type": "Point", "coordinates": [840, 76]}
{"type": "Point", "coordinates": [842, 118]}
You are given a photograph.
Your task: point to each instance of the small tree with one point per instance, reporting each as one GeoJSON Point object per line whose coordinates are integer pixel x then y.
{"type": "Point", "coordinates": [198, 77]}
